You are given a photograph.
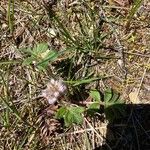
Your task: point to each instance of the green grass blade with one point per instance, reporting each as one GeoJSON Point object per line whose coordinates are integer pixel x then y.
{"type": "Point", "coordinates": [9, 62]}
{"type": "Point", "coordinates": [6, 99]}
{"type": "Point", "coordinates": [86, 81]}
{"type": "Point", "coordinates": [134, 9]}
{"type": "Point", "coordinates": [11, 107]}
{"type": "Point", "coordinates": [10, 15]}
{"type": "Point", "coordinates": [64, 31]}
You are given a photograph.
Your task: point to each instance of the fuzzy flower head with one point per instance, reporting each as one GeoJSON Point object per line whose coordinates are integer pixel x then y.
{"type": "Point", "coordinates": [55, 89]}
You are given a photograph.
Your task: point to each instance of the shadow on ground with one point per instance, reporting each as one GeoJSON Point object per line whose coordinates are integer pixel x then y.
{"type": "Point", "coordinates": [131, 132]}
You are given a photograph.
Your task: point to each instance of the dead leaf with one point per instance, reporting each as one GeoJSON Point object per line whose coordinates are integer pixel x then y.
{"type": "Point", "coordinates": [133, 96]}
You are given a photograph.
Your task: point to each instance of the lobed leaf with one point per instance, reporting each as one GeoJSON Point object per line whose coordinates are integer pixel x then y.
{"type": "Point", "coordinates": [113, 106]}
{"type": "Point", "coordinates": [70, 115]}
{"type": "Point", "coordinates": [95, 95]}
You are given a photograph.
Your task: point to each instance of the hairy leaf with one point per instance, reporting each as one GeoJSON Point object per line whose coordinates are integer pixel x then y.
{"type": "Point", "coordinates": [113, 105]}
{"type": "Point", "coordinates": [41, 55]}
{"type": "Point", "coordinates": [70, 115]}
{"type": "Point", "coordinates": [95, 106]}
{"type": "Point", "coordinates": [95, 95]}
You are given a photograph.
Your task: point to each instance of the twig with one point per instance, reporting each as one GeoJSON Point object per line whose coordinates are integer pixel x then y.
{"type": "Point", "coordinates": [81, 131]}
{"type": "Point", "coordinates": [148, 56]}
{"type": "Point", "coordinates": [144, 73]}
{"type": "Point", "coordinates": [93, 129]}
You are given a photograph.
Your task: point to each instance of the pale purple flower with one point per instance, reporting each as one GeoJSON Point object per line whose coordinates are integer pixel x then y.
{"type": "Point", "coordinates": [55, 89]}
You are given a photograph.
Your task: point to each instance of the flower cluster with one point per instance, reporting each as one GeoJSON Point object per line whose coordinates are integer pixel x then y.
{"type": "Point", "coordinates": [55, 89]}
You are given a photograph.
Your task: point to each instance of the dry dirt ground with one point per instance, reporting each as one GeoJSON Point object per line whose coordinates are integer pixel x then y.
{"type": "Point", "coordinates": [123, 56]}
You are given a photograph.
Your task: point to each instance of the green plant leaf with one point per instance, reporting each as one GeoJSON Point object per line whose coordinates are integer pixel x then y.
{"type": "Point", "coordinates": [73, 117]}
{"type": "Point", "coordinates": [28, 61]}
{"type": "Point", "coordinates": [113, 106]}
{"type": "Point", "coordinates": [61, 112]}
{"type": "Point", "coordinates": [41, 47]}
{"type": "Point", "coordinates": [134, 9]}
{"type": "Point", "coordinates": [86, 81]}
{"type": "Point", "coordinates": [70, 115]}
{"type": "Point", "coordinates": [95, 95]}
{"type": "Point", "coordinates": [93, 109]}
{"type": "Point", "coordinates": [51, 56]}
{"type": "Point", "coordinates": [41, 55]}
{"type": "Point", "coordinates": [94, 105]}
{"type": "Point", "coordinates": [107, 95]}
{"type": "Point", "coordinates": [77, 109]}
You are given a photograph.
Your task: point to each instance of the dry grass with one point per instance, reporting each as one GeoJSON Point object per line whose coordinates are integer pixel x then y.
{"type": "Point", "coordinates": [27, 121]}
